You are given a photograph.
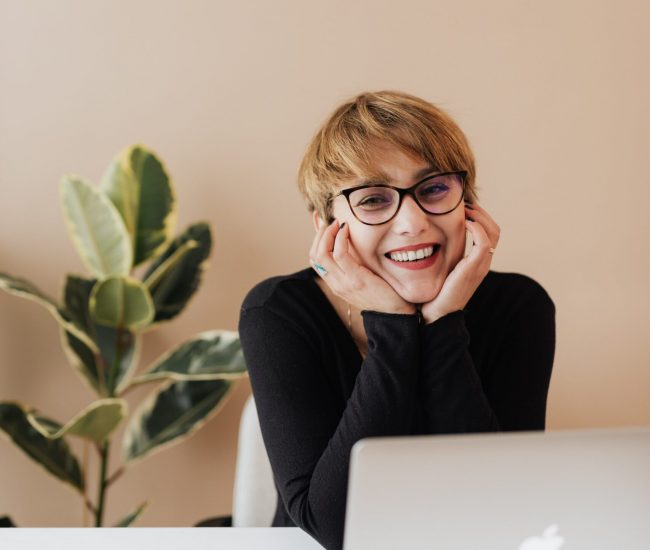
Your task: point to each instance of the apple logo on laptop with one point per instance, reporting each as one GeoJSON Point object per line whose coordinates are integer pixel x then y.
{"type": "Point", "coordinates": [549, 540]}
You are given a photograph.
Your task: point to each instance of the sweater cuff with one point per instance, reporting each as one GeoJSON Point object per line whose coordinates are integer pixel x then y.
{"type": "Point", "coordinates": [447, 330]}
{"type": "Point", "coordinates": [396, 330]}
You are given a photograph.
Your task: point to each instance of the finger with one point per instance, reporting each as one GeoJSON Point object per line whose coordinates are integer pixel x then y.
{"type": "Point", "coordinates": [323, 255]}
{"type": "Point", "coordinates": [491, 227]}
{"type": "Point", "coordinates": [480, 211]}
{"type": "Point", "coordinates": [482, 245]}
{"type": "Point", "coordinates": [342, 253]}
{"type": "Point", "coordinates": [326, 243]}
{"type": "Point", "coordinates": [317, 239]}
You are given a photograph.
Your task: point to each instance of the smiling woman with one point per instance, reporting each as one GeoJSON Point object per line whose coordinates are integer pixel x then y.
{"type": "Point", "coordinates": [394, 331]}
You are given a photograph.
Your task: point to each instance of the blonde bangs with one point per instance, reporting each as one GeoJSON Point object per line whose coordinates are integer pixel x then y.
{"type": "Point", "coordinates": [342, 150]}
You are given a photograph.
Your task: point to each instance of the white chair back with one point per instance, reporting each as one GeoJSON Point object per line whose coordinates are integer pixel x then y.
{"type": "Point", "coordinates": [254, 495]}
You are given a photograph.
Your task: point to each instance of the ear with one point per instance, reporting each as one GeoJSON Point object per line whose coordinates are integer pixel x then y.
{"type": "Point", "coordinates": [318, 222]}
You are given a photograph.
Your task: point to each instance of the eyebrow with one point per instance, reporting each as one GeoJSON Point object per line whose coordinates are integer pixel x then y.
{"type": "Point", "coordinates": [417, 176]}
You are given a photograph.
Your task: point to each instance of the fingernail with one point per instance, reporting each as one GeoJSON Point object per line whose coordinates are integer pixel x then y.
{"type": "Point", "coordinates": [469, 219]}
{"type": "Point", "coordinates": [468, 206]}
{"type": "Point", "coordinates": [342, 225]}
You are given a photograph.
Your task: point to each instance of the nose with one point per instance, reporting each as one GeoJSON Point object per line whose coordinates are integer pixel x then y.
{"type": "Point", "coordinates": [410, 218]}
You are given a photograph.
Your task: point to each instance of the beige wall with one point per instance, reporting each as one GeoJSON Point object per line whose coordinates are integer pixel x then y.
{"type": "Point", "coordinates": [553, 96]}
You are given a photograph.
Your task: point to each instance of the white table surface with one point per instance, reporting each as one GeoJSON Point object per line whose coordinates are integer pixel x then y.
{"type": "Point", "coordinates": [164, 538]}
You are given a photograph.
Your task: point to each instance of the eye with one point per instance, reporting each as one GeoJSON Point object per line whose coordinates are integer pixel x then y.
{"type": "Point", "coordinates": [432, 190]}
{"type": "Point", "coordinates": [373, 199]}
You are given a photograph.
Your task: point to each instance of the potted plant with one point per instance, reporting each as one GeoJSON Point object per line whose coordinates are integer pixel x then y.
{"type": "Point", "coordinates": [124, 223]}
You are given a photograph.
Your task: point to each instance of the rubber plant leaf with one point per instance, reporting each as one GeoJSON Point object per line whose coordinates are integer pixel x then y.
{"type": "Point", "coordinates": [210, 355]}
{"type": "Point", "coordinates": [172, 413]}
{"type": "Point", "coordinates": [127, 520]}
{"type": "Point", "coordinates": [137, 184]}
{"type": "Point", "coordinates": [85, 362]}
{"type": "Point", "coordinates": [52, 454]}
{"type": "Point", "coordinates": [95, 423]}
{"type": "Point", "coordinates": [173, 278]}
{"type": "Point", "coordinates": [121, 302]}
{"type": "Point", "coordinates": [25, 289]}
{"type": "Point", "coordinates": [96, 229]}
{"type": "Point", "coordinates": [107, 372]}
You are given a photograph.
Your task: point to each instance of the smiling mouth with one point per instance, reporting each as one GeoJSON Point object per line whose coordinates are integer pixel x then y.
{"type": "Point", "coordinates": [413, 255]}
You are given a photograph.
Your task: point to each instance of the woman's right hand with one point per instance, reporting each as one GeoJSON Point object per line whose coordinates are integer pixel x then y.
{"type": "Point", "coordinates": [347, 278]}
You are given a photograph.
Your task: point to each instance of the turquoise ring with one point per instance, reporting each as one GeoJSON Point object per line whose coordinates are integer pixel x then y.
{"type": "Point", "coordinates": [320, 269]}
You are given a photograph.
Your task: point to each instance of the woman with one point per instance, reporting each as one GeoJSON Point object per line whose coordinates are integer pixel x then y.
{"type": "Point", "coordinates": [392, 331]}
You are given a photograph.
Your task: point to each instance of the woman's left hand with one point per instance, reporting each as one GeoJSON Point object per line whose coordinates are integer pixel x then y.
{"type": "Point", "coordinates": [464, 279]}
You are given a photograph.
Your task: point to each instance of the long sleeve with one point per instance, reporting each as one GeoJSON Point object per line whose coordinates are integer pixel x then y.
{"type": "Point", "coordinates": [451, 396]}
{"type": "Point", "coordinates": [510, 392]}
{"type": "Point", "coordinates": [309, 440]}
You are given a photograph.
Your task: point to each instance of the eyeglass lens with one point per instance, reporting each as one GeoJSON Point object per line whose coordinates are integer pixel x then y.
{"type": "Point", "coordinates": [437, 195]}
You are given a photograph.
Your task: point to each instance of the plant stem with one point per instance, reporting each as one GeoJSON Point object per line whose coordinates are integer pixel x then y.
{"type": "Point", "coordinates": [112, 479]}
{"type": "Point", "coordinates": [85, 509]}
{"type": "Point", "coordinates": [105, 447]}
{"type": "Point", "coordinates": [99, 516]}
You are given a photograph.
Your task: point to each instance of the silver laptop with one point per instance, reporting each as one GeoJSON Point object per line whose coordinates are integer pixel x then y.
{"type": "Point", "coordinates": [569, 490]}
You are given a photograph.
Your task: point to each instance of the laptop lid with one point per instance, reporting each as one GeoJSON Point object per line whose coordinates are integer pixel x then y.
{"type": "Point", "coordinates": [587, 489]}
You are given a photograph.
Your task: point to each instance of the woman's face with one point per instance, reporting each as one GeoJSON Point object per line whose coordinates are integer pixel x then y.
{"type": "Point", "coordinates": [411, 229]}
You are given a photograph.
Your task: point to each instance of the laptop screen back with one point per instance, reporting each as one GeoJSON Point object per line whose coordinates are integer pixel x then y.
{"type": "Point", "coordinates": [586, 489]}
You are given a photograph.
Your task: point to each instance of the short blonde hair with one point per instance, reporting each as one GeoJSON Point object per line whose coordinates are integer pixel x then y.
{"type": "Point", "coordinates": [342, 149]}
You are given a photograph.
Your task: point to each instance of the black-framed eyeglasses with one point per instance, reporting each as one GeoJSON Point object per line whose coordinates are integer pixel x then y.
{"type": "Point", "coordinates": [377, 203]}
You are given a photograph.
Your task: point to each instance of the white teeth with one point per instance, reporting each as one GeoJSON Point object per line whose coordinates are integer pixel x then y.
{"type": "Point", "coordinates": [411, 255]}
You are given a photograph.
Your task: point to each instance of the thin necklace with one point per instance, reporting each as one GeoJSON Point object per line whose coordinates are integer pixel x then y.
{"type": "Point", "coordinates": [357, 342]}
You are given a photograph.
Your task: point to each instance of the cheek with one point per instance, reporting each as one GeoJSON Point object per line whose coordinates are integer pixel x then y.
{"type": "Point", "coordinates": [456, 233]}
{"type": "Point", "coordinates": [457, 236]}
{"type": "Point", "coordinates": [364, 243]}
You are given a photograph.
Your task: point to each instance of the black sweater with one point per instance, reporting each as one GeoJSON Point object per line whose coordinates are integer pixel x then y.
{"type": "Point", "coordinates": [316, 396]}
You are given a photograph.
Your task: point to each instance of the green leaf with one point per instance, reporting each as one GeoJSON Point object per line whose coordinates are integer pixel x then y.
{"type": "Point", "coordinates": [120, 365]}
{"type": "Point", "coordinates": [25, 289]}
{"type": "Point", "coordinates": [172, 286]}
{"type": "Point", "coordinates": [121, 302]}
{"type": "Point", "coordinates": [211, 355]}
{"type": "Point", "coordinates": [96, 229]}
{"type": "Point", "coordinates": [176, 410]}
{"type": "Point", "coordinates": [84, 362]}
{"type": "Point", "coordinates": [76, 296]}
{"type": "Point", "coordinates": [170, 263]}
{"type": "Point", "coordinates": [127, 520]}
{"type": "Point", "coordinates": [109, 372]}
{"type": "Point", "coordinates": [53, 454]}
{"type": "Point", "coordinates": [95, 423]}
{"type": "Point", "coordinates": [137, 184]}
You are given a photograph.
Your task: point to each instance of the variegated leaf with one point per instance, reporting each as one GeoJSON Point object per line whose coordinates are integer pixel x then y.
{"type": "Point", "coordinates": [109, 372]}
{"type": "Point", "coordinates": [127, 520]}
{"type": "Point", "coordinates": [53, 454]}
{"type": "Point", "coordinates": [121, 302]}
{"type": "Point", "coordinates": [210, 355]}
{"type": "Point", "coordinates": [169, 414]}
{"type": "Point", "coordinates": [25, 289]}
{"type": "Point", "coordinates": [138, 185]}
{"type": "Point", "coordinates": [95, 423]}
{"type": "Point", "coordinates": [96, 229]}
{"type": "Point", "coordinates": [172, 289]}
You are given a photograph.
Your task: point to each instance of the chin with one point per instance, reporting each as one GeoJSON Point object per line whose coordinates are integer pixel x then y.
{"type": "Point", "coordinates": [419, 294]}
